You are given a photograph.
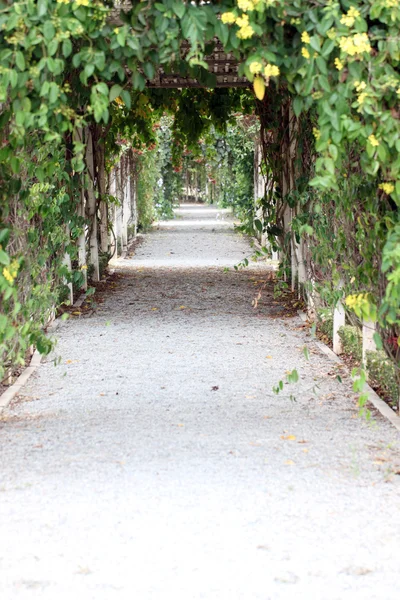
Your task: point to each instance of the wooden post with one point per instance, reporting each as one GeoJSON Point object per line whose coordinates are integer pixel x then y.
{"type": "Point", "coordinates": [92, 208]}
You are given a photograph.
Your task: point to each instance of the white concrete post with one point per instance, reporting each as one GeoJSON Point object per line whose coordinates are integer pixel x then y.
{"type": "Point", "coordinates": [368, 342]}
{"type": "Point", "coordinates": [339, 320]}
{"type": "Point", "coordinates": [68, 264]}
{"type": "Point", "coordinates": [82, 243]}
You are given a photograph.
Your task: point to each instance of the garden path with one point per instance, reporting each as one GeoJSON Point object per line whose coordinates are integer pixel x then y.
{"type": "Point", "coordinates": [155, 462]}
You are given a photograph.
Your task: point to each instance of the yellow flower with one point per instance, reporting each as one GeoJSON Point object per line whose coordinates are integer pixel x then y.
{"type": "Point", "coordinates": [350, 18]}
{"type": "Point", "coordinates": [245, 32]}
{"type": "Point", "coordinates": [242, 21]}
{"type": "Point", "coordinates": [246, 5]}
{"type": "Point", "coordinates": [62, 1]}
{"type": "Point", "coordinates": [360, 85]}
{"type": "Point", "coordinates": [338, 64]}
{"type": "Point", "coordinates": [361, 97]}
{"type": "Point", "coordinates": [82, 2]}
{"type": "Point", "coordinates": [116, 30]}
{"type": "Point", "coordinates": [372, 140]}
{"type": "Point", "coordinates": [398, 92]}
{"type": "Point", "coordinates": [356, 44]}
{"type": "Point", "coordinates": [387, 187]}
{"type": "Point", "coordinates": [228, 18]}
{"type": "Point", "coordinates": [255, 67]}
{"type": "Point", "coordinates": [331, 33]}
{"type": "Point", "coordinates": [305, 38]}
{"type": "Point", "coordinates": [305, 53]}
{"type": "Point", "coordinates": [7, 275]}
{"type": "Point", "coordinates": [271, 71]}
{"type": "Point", "coordinates": [316, 133]}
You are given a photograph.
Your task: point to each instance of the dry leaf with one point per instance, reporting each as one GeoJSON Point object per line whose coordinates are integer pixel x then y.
{"type": "Point", "coordinates": [154, 308]}
{"type": "Point", "coordinates": [290, 438]}
{"type": "Point", "coordinates": [289, 462]}
{"type": "Point", "coordinates": [305, 449]}
{"type": "Point", "coordinates": [269, 356]}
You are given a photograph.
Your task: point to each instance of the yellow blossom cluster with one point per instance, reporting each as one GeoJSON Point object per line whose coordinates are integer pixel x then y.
{"type": "Point", "coordinates": [62, 1]}
{"type": "Point", "coordinates": [11, 271]}
{"type": "Point", "coordinates": [350, 17]}
{"type": "Point", "coordinates": [355, 44]}
{"type": "Point", "coordinates": [255, 67]}
{"type": "Point", "coordinates": [271, 71]}
{"type": "Point", "coordinates": [387, 187]}
{"type": "Point", "coordinates": [247, 5]}
{"type": "Point", "coordinates": [356, 300]}
{"type": "Point", "coordinates": [338, 64]}
{"type": "Point", "coordinates": [245, 29]}
{"type": "Point", "coordinates": [305, 38]}
{"type": "Point", "coordinates": [228, 18]}
{"type": "Point", "coordinates": [316, 133]}
{"type": "Point", "coordinates": [360, 87]}
{"type": "Point", "coordinates": [372, 140]}
{"type": "Point", "coordinates": [305, 53]}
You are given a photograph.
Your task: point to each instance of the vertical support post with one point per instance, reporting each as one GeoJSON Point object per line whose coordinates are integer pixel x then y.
{"type": "Point", "coordinates": [82, 242]}
{"type": "Point", "coordinates": [68, 264]}
{"type": "Point", "coordinates": [339, 320]}
{"type": "Point", "coordinates": [92, 208]}
{"type": "Point", "coordinates": [368, 342]}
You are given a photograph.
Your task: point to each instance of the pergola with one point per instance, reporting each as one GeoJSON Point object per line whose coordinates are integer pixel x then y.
{"type": "Point", "coordinates": [223, 65]}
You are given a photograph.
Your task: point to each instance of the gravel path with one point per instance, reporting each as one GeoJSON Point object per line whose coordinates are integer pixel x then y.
{"type": "Point", "coordinates": [155, 463]}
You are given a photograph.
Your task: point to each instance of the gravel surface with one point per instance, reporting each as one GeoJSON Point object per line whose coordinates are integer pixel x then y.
{"type": "Point", "coordinates": [155, 462]}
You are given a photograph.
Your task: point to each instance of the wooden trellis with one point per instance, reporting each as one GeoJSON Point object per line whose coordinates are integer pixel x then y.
{"type": "Point", "coordinates": [223, 65]}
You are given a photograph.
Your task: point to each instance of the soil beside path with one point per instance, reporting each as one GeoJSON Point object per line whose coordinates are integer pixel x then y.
{"type": "Point", "coordinates": [155, 462]}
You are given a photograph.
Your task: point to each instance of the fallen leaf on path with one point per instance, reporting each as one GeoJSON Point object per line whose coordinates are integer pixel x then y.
{"type": "Point", "coordinates": [290, 438]}
{"type": "Point", "coordinates": [267, 417]}
{"type": "Point", "coordinates": [269, 356]}
{"type": "Point", "coordinates": [215, 388]}
{"type": "Point", "coordinates": [305, 449]}
{"type": "Point", "coordinates": [289, 462]}
{"type": "Point", "coordinates": [155, 308]}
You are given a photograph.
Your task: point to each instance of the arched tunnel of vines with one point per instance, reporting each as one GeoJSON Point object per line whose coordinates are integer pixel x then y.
{"type": "Point", "coordinates": [199, 299]}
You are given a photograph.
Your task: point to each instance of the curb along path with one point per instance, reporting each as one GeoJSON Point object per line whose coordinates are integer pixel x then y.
{"type": "Point", "coordinates": [155, 462]}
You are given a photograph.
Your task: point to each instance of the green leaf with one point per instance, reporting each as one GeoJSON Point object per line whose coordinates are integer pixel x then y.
{"type": "Point", "coordinates": [258, 225]}
{"type": "Point", "coordinates": [126, 97]}
{"type": "Point", "coordinates": [179, 9]}
{"type": "Point", "coordinates": [297, 105]}
{"type": "Point", "coordinates": [66, 48]}
{"type": "Point", "coordinates": [115, 91]}
{"type": "Point", "coordinates": [20, 61]}
{"type": "Point", "coordinates": [48, 30]}
{"type": "Point", "coordinates": [4, 258]}
{"type": "Point", "coordinates": [41, 8]}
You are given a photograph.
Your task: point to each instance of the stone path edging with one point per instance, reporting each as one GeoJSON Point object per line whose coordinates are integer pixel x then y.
{"type": "Point", "coordinates": [373, 397]}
